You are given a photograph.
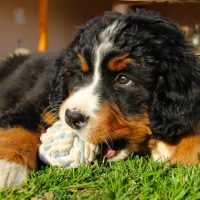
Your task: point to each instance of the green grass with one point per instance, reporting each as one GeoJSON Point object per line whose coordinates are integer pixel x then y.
{"type": "Point", "coordinates": [135, 178]}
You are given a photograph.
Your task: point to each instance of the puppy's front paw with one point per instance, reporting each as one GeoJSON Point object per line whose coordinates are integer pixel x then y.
{"type": "Point", "coordinates": [12, 173]}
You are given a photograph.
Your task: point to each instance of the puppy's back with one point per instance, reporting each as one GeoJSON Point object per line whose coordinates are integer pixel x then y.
{"type": "Point", "coordinates": [25, 83]}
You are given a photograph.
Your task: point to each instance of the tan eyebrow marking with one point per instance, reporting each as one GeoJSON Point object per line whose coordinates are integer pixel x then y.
{"type": "Point", "coordinates": [119, 63]}
{"type": "Point", "coordinates": [84, 65]}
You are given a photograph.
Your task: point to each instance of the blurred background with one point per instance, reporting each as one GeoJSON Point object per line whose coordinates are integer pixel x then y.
{"type": "Point", "coordinates": [40, 25]}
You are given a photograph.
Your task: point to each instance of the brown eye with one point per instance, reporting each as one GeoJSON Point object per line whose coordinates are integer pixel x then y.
{"type": "Point", "coordinates": [122, 81]}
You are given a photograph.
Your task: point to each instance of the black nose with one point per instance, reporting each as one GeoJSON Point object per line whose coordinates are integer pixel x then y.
{"type": "Point", "coordinates": [75, 119]}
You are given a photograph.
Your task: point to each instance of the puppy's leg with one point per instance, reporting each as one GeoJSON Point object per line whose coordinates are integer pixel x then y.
{"type": "Point", "coordinates": [185, 150]}
{"type": "Point", "coordinates": [18, 155]}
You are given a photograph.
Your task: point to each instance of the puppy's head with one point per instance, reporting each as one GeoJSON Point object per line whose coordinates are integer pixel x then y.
{"type": "Point", "coordinates": [124, 77]}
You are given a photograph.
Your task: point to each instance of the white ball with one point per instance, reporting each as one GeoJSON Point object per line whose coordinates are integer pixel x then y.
{"type": "Point", "coordinates": [62, 147]}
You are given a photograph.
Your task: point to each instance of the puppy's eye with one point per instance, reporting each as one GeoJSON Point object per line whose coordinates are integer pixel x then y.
{"type": "Point", "coordinates": [123, 81]}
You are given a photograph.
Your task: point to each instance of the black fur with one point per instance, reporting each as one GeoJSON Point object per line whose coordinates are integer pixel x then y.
{"type": "Point", "coordinates": [25, 88]}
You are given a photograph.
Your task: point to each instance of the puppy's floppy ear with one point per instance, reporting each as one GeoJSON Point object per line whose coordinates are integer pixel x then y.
{"type": "Point", "coordinates": [64, 64]}
{"type": "Point", "coordinates": [176, 101]}
{"type": "Point", "coordinates": [59, 90]}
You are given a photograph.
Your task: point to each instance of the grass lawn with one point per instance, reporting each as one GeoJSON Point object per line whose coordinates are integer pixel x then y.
{"type": "Point", "coordinates": [135, 178]}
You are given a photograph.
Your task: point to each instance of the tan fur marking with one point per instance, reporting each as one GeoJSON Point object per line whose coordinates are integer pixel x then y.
{"type": "Point", "coordinates": [111, 125]}
{"type": "Point", "coordinates": [84, 65]}
{"type": "Point", "coordinates": [119, 63]}
{"type": "Point", "coordinates": [49, 118]}
{"type": "Point", "coordinates": [20, 146]}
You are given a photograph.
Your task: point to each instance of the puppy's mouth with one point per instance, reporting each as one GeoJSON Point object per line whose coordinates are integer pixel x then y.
{"type": "Point", "coordinates": [112, 149]}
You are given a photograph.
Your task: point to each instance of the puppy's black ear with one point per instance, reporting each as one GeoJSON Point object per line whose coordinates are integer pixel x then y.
{"type": "Point", "coordinates": [176, 100]}
{"type": "Point", "coordinates": [59, 89]}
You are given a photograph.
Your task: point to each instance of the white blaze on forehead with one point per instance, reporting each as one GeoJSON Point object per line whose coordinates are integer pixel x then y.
{"type": "Point", "coordinates": [86, 99]}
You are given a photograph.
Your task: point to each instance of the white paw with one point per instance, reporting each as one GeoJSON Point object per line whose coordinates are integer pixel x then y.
{"type": "Point", "coordinates": [12, 174]}
{"type": "Point", "coordinates": [161, 152]}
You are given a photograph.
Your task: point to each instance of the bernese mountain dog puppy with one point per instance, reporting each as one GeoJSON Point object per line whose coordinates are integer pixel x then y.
{"type": "Point", "coordinates": [127, 82]}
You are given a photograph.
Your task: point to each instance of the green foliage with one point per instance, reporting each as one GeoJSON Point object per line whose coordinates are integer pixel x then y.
{"type": "Point", "coordinates": [135, 178]}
